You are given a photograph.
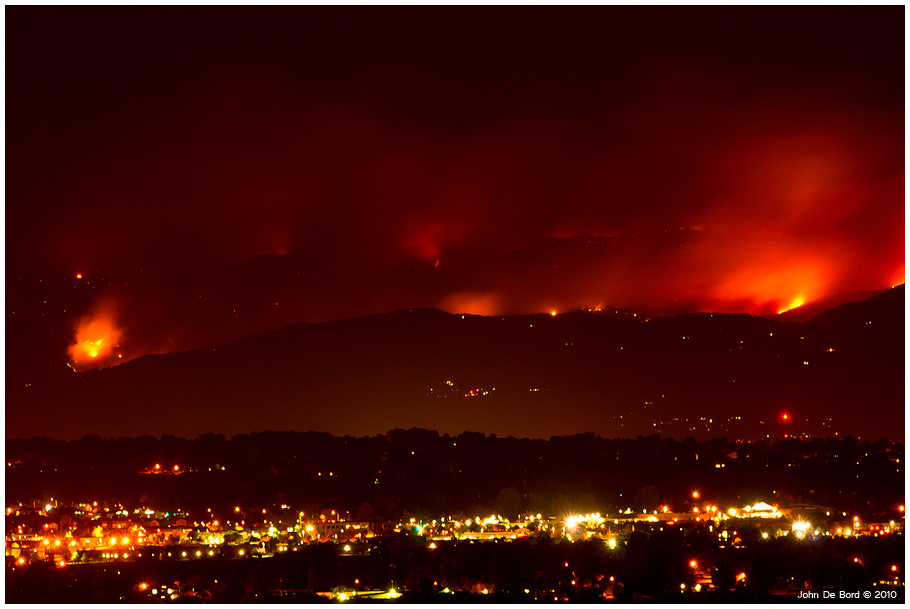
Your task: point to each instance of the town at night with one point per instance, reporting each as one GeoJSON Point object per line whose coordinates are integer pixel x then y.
{"type": "Point", "coordinates": [411, 304]}
{"type": "Point", "coordinates": [417, 516]}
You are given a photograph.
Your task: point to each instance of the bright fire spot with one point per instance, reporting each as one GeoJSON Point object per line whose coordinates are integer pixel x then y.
{"type": "Point", "coordinates": [785, 416]}
{"type": "Point", "coordinates": [78, 275]}
{"type": "Point", "coordinates": [96, 337]}
{"type": "Point", "coordinates": [795, 303]}
{"type": "Point", "coordinates": [553, 313]}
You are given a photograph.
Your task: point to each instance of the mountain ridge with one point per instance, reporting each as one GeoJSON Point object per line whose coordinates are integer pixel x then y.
{"type": "Point", "coordinates": [543, 375]}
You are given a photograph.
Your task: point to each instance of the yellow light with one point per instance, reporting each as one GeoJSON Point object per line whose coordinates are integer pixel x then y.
{"type": "Point", "coordinates": [612, 543]}
{"type": "Point", "coordinates": [143, 586]}
{"type": "Point", "coordinates": [553, 313]}
{"type": "Point", "coordinates": [695, 494]}
{"type": "Point", "coordinates": [693, 563]}
{"type": "Point", "coordinates": [795, 303]}
{"type": "Point", "coordinates": [801, 526]}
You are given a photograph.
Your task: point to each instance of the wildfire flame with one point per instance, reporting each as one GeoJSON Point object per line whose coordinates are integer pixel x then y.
{"type": "Point", "coordinates": [97, 336]}
{"type": "Point", "coordinates": [795, 303]}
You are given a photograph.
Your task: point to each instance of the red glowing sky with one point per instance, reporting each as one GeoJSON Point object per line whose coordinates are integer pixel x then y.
{"type": "Point", "coordinates": [214, 173]}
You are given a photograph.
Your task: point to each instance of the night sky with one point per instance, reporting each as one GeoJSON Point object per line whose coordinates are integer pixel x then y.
{"type": "Point", "coordinates": [179, 178]}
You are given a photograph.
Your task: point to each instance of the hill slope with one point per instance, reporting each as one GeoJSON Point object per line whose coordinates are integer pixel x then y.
{"type": "Point", "coordinates": [532, 376]}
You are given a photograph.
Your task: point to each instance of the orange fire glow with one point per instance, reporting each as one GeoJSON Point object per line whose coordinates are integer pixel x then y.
{"type": "Point", "coordinates": [473, 303]}
{"type": "Point", "coordinates": [777, 285]}
{"type": "Point", "coordinates": [97, 335]}
{"type": "Point", "coordinates": [898, 277]}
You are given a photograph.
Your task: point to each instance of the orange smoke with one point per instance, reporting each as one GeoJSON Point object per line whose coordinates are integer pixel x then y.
{"type": "Point", "coordinates": [898, 277]}
{"type": "Point", "coordinates": [97, 339]}
{"type": "Point", "coordinates": [777, 287]}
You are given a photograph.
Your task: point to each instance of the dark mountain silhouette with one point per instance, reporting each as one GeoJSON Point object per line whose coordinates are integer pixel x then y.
{"type": "Point", "coordinates": [613, 373]}
{"type": "Point", "coordinates": [883, 306]}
